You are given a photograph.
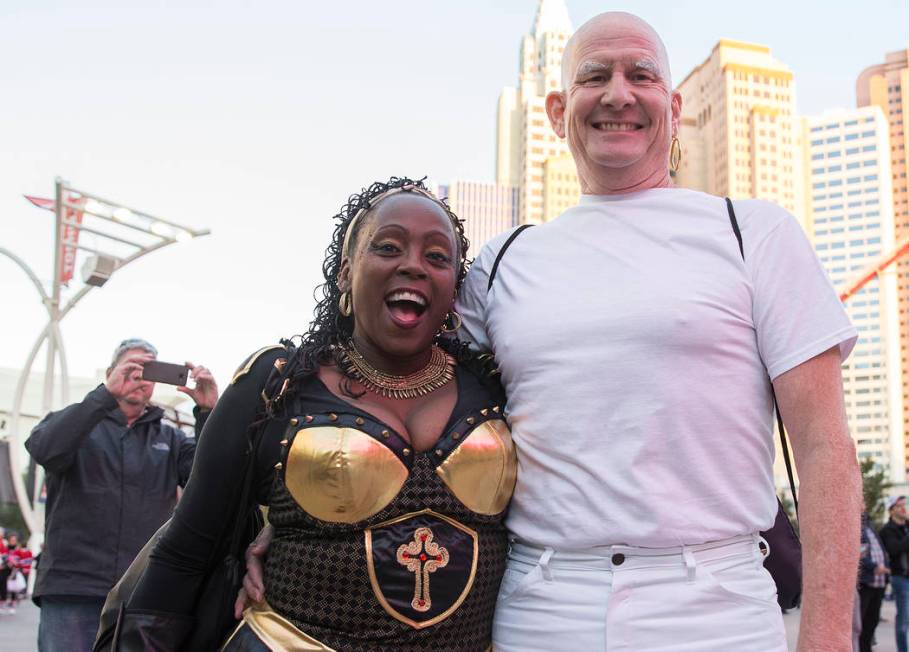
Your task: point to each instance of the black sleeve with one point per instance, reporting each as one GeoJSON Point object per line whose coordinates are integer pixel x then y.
{"type": "Point", "coordinates": [53, 442]}
{"type": "Point", "coordinates": [186, 451]}
{"type": "Point", "coordinates": [186, 552]}
{"type": "Point", "coordinates": [187, 446]}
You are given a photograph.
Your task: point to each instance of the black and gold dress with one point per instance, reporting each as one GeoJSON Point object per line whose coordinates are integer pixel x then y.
{"type": "Point", "coordinates": [376, 546]}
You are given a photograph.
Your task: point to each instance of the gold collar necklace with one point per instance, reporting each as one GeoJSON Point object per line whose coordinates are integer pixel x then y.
{"type": "Point", "coordinates": [434, 375]}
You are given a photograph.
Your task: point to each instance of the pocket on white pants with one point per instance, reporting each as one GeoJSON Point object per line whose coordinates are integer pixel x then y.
{"type": "Point", "coordinates": [518, 578]}
{"type": "Point", "coordinates": [743, 579]}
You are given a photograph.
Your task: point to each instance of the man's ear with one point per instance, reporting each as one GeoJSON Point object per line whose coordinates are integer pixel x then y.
{"type": "Point", "coordinates": [676, 107]}
{"type": "Point", "coordinates": [344, 276]}
{"type": "Point", "coordinates": [555, 109]}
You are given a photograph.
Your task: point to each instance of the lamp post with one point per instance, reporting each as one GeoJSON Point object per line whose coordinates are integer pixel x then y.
{"type": "Point", "coordinates": [125, 235]}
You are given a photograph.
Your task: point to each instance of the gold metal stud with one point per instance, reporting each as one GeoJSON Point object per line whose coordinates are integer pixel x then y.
{"type": "Point", "coordinates": [360, 421]}
{"type": "Point", "coordinates": [406, 452]}
{"type": "Point", "coordinates": [332, 417]}
{"type": "Point", "coordinates": [484, 412]}
{"type": "Point", "coordinates": [440, 452]}
{"type": "Point", "coordinates": [495, 408]}
{"type": "Point", "coordinates": [294, 421]}
{"type": "Point", "coordinates": [470, 421]}
{"type": "Point", "coordinates": [308, 418]}
{"type": "Point", "coordinates": [279, 466]}
{"type": "Point", "coordinates": [456, 435]}
{"type": "Point", "coordinates": [284, 442]}
{"type": "Point", "coordinates": [386, 434]}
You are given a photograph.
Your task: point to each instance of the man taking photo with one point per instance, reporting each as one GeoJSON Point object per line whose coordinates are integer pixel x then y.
{"type": "Point", "coordinates": [113, 469]}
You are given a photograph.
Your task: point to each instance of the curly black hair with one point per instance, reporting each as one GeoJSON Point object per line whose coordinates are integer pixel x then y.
{"type": "Point", "coordinates": [329, 328]}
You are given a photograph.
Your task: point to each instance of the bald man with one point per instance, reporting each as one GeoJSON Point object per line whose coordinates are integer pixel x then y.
{"type": "Point", "coordinates": [638, 341]}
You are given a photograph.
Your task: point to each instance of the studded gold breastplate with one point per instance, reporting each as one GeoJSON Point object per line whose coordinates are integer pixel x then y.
{"type": "Point", "coordinates": [377, 542]}
{"type": "Point", "coordinates": [345, 468]}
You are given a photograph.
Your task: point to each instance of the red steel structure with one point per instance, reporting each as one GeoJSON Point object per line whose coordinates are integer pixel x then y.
{"type": "Point", "coordinates": [882, 263]}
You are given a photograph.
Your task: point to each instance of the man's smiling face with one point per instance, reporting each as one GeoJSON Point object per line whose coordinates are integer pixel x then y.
{"type": "Point", "coordinates": [619, 111]}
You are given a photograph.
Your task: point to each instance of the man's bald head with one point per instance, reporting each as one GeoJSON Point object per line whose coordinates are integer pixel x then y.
{"type": "Point", "coordinates": [609, 24]}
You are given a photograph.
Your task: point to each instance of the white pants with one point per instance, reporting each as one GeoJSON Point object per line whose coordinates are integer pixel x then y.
{"type": "Point", "coordinates": [715, 597]}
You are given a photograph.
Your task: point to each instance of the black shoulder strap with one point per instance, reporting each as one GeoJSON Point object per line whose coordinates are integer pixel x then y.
{"type": "Point", "coordinates": [779, 418]}
{"type": "Point", "coordinates": [495, 265]}
{"type": "Point", "coordinates": [735, 226]}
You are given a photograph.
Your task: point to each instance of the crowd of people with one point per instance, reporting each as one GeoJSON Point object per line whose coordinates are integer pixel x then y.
{"type": "Point", "coordinates": [554, 448]}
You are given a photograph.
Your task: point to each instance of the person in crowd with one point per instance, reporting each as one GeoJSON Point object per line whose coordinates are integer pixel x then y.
{"type": "Point", "coordinates": [641, 337]}
{"type": "Point", "coordinates": [895, 536]}
{"type": "Point", "coordinates": [385, 463]}
{"type": "Point", "coordinates": [18, 560]}
{"type": "Point", "coordinates": [5, 569]}
{"type": "Point", "coordinates": [113, 469]}
{"type": "Point", "coordinates": [874, 570]}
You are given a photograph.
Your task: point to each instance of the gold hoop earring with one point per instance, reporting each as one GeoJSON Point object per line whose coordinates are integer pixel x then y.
{"type": "Point", "coordinates": [456, 322]}
{"type": "Point", "coordinates": [675, 154]}
{"type": "Point", "coordinates": [344, 304]}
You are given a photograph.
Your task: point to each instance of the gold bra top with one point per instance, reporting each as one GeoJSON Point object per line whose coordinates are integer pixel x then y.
{"type": "Point", "coordinates": [344, 468]}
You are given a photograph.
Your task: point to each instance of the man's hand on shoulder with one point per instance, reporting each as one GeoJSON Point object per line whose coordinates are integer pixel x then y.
{"type": "Point", "coordinates": [205, 392]}
{"type": "Point", "coordinates": [126, 375]}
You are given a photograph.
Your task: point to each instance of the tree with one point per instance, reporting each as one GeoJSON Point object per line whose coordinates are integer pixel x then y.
{"type": "Point", "coordinates": [874, 489]}
{"type": "Point", "coordinates": [11, 520]}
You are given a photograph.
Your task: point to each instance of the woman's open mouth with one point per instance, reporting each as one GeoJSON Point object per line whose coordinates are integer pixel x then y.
{"type": "Point", "coordinates": [406, 307]}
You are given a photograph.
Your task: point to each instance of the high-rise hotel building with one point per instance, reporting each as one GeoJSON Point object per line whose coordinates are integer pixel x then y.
{"type": "Point", "coordinates": [525, 141]}
{"type": "Point", "coordinates": [886, 85]}
{"type": "Point", "coordinates": [850, 219]}
{"type": "Point", "coordinates": [486, 208]}
{"type": "Point", "coordinates": [739, 133]}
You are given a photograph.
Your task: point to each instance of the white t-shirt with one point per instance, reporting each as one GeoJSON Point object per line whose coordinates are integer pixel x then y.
{"type": "Point", "coordinates": [635, 347]}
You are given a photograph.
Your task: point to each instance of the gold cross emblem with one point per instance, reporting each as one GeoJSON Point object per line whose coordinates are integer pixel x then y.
{"type": "Point", "coordinates": [422, 556]}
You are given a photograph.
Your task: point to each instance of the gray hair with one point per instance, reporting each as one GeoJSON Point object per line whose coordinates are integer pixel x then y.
{"type": "Point", "coordinates": [132, 343]}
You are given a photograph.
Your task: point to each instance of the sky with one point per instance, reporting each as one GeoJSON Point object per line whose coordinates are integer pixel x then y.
{"type": "Point", "coordinates": [258, 119]}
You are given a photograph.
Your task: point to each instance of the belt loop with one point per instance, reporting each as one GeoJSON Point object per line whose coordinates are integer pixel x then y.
{"type": "Point", "coordinates": [763, 548]}
{"type": "Point", "coordinates": [544, 564]}
{"type": "Point", "coordinates": [690, 564]}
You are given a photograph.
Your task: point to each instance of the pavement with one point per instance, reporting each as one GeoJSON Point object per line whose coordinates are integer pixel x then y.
{"type": "Point", "coordinates": [19, 631]}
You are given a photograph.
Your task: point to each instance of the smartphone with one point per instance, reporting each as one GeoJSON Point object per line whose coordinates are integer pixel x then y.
{"type": "Point", "coordinates": [165, 372]}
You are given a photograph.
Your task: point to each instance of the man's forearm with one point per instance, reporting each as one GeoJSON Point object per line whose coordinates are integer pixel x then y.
{"type": "Point", "coordinates": [829, 477]}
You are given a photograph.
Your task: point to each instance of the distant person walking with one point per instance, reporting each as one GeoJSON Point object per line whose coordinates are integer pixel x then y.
{"type": "Point", "coordinates": [874, 569]}
{"type": "Point", "coordinates": [895, 536]}
{"type": "Point", "coordinates": [112, 474]}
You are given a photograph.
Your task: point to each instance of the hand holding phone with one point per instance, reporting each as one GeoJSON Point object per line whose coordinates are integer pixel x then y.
{"type": "Point", "coordinates": [126, 375]}
{"type": "Point", "coordinates": [205, 392]}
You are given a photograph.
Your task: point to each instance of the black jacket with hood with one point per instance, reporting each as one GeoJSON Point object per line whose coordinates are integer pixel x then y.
{"type": "Point", "coordinates": [109, 488]}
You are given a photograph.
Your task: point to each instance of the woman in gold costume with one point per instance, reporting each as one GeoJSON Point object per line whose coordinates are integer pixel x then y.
{"type": "Point", "coordinates": [386, 463]}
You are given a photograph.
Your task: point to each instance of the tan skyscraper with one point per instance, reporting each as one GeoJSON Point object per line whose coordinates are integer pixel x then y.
{"type": "Point", "coordinates": [524, 138]}
{"type": "Point", "coordinates": [739, 133]}
{"type": "Point", "coordinates": [886, 85]}
{"type": "Point", "coordinates": [560, 186]}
